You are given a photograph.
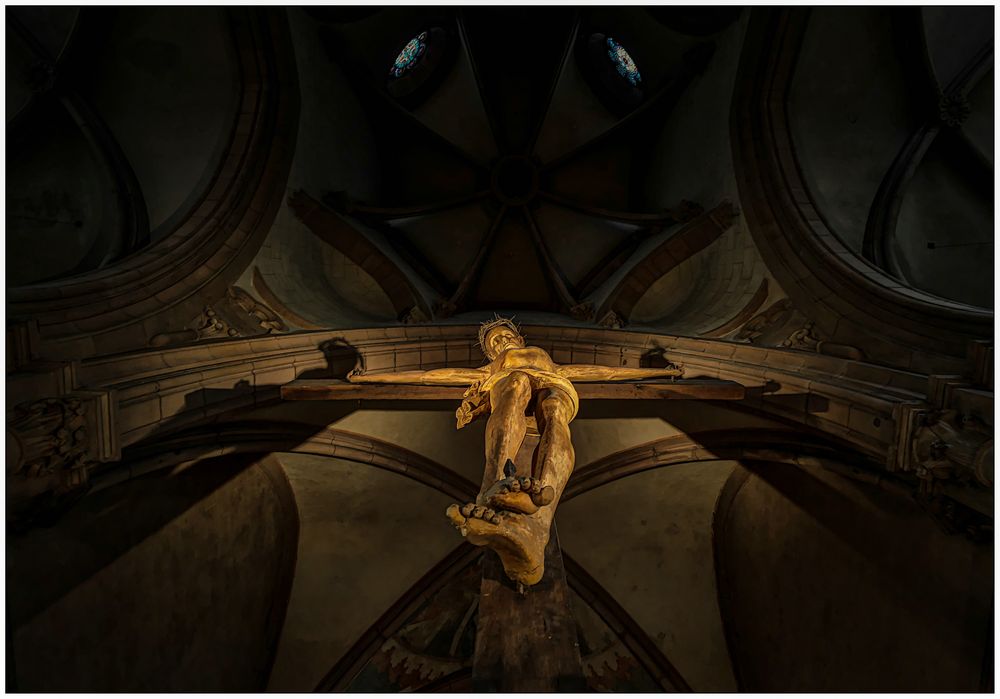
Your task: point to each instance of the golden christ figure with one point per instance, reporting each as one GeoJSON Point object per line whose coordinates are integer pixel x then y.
{"type": "Point", "coordinates": [513, 514]}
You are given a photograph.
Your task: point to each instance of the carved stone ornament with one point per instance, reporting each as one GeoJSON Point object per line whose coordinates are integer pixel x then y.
{"type": "Point", "coordinates": [612, 320]}
{"type": "Point", "coordinates": [771, 316]}
{"type": "Point", "coordinates": [414, 314]}
{"type": "Point", "coordinates": [47, 455]}
{"type": "Point", "coordinates": [266, 319]}
{"type": "Point", "coordinates": [950, 445]}
{"type": "Point", "coordinates": [953, 110]}
{"type": "Point", "coordinates": [238, 314]}
{"type": "Point", "coordinates": [806, 338]}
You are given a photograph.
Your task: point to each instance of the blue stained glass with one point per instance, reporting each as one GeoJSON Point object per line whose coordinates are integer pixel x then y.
{"type": "Point", "coordinates": [411, 53]}
{"type": "Point", "coordinates": [623, 62]}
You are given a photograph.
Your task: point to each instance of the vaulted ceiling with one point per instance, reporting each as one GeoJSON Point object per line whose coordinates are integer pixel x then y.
{"type": "Point", "coordinates": [511, 168]}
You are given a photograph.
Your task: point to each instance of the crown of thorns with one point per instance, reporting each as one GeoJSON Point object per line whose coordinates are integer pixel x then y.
{"type": "Point", "coordinates": [498, 321]}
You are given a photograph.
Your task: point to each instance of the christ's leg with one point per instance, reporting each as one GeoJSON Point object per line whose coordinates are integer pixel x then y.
{"type": "Point", "coordinates": [519, 538]}
{"type": "Point", "coordinates": [504, 434]}
{"type": "Point", "coordinates": [555, 448]}
{"type": "Point", "coordinates": [506, 427]}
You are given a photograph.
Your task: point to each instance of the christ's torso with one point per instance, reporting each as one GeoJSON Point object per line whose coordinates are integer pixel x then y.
{"type": "Point", "coordinates": [524, 358]}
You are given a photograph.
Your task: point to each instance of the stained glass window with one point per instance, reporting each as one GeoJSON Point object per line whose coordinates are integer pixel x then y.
{"type": "Point", "coordinates": [623, 62]}
{"type": "Point", "coordinates": [411, 53]}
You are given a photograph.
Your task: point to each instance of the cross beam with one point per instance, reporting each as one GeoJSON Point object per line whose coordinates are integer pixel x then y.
{"type": "Point", "coordinates": [682, 389]}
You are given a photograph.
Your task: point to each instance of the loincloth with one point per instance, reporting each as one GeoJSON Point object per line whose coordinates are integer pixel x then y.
{"type": "Point", "coordinates": [476, 401]}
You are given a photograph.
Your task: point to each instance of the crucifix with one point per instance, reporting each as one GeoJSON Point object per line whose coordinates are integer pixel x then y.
{"type": "Point", "coordinates": [526, 637]}
{"type": "Point", "coordinates": [512, 515]}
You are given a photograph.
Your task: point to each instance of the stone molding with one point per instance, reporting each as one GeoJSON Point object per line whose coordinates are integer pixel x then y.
{"type": "Point", "coordinates": [174, 388]}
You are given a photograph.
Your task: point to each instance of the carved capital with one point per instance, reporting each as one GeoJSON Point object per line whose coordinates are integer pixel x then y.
{"type": "Point", "coordinates": [584, 311]}
{"type": "Point", "coordinates": [414, 315]}
{"type": "Point", "coordinates": [611, 320]}
{"type": "Point", "coordinates": [48, 456]}
{"type": "Point", "coordinates": [52, 445]}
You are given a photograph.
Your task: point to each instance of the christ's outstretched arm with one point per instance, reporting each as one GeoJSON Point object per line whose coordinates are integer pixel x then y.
{"type": "Point", "coordinates": [433, 377]}
{"type": "Point", "coordinates": [593, 372]}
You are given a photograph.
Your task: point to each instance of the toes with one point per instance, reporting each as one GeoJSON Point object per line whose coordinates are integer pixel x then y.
{"type": "Point", "coordinates": [467, 509]}
{"type": "Point", "coordinates": [504, 490]}
{"type": "Point", "coordinates": [525, 482]}
{"type": "Point", "coordinates": [515, 485]}
{"type": "Point", "coordinates": [545, 495]}
{"type": "Point", "coordinates": [478, 511]}
{"type": "Point", "coordinates": [536, 487]}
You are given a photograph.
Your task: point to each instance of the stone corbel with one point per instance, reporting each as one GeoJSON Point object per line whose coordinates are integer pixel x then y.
{"type": "Point", "coordinates": [950, 445]}
{"type": "Point", "coordinates": [949, 439]}
{"type": "Point", "coordinates": [53, 444]}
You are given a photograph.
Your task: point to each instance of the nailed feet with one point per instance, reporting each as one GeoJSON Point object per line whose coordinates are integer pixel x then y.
{"type": "Point", "coordinates": [518, 539]}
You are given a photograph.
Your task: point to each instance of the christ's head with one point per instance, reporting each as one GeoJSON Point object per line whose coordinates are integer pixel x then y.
{"type": "Point", "coordinates": [499, 335]}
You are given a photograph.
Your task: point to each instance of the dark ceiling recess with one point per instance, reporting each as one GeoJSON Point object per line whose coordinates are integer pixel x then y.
{"type": "Point", "coordinates": [530, 225]}
{"type": "Point", "coordinates": [517, 52]}
{"type": "Point", "coordinates": [695, 21]}
{"type": "Point", "coordinates": [419, 64]}
{"type": "Point", "coordinates": [605, 71]}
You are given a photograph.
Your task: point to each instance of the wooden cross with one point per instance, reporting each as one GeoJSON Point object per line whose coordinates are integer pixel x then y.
{"type": "Point", "coordinates": [525, 641]}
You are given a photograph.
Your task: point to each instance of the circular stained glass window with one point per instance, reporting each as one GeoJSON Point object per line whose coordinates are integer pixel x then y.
{"type": "Point", "coordinates": [623, 62]}
{"type": "Point", "coordinates": [415, 48]}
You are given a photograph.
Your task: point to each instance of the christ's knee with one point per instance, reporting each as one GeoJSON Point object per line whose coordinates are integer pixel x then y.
{"type": "Point", "coordinates": [517, 385]}
{"type": "Point", "coordinates": [555, 410]}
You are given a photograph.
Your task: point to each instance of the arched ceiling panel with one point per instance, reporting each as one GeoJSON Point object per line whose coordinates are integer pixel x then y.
{"type": "Point", "coordinates": [824, 579]}
{"type": "Point", "coordinates": [430, 433]}
{"type": "Point", "coordinates": [945, 228]}
{"type": "Point", "coordinates": [954, 35]}
{"type": "Point", "coordinates": [691, 157]}
{"type": "Point", "coordinates": [448, 240]}
{"type": "Point", "coordinates": [336, 144]}
{"type": "Point", "coordinates": [167, 84]}
{"type": "Point", "coordinates": [849, 113]}
{"type": "Point", "coordinates": [575, 115]}
{"type": "Point", "coordinates": [455, 110]}
{"type": "Point", "coordinates": [62, 214]}
{"type": "Point", "coordinates": [978, 128]}
{"type": "Point", "coordinates": [51, 26]}
{"type": "Point", "coordinates": [353, 560]}
{"type": "Point", "coordinates": [647, 539]}
{"type": "Point", "coordinates": [315, 280]}
{"type": "Point", "coordinates": [579, 242]}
